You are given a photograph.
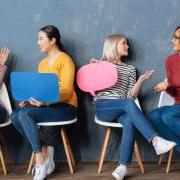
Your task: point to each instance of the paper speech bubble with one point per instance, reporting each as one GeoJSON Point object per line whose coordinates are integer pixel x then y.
{"type": "Point", "coordinates": [96, 76]}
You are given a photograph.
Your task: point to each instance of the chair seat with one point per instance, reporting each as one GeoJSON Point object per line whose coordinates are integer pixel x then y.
{"type": "Point", "coordinates": [5, 124]}
{"type": "Point", "coordinates": [58, 123]}
{"type": "Point", "coordinates": [108, 124]}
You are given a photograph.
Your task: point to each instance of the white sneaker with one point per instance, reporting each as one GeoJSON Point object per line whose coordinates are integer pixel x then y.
{"type": "Point", "coordinates": [120, 172]}
{"type": "Point", "coordinates": [162, 145]}
{"type": "Point", "coordinates": [40, 171]}
{"type": "Point", "coordinates": [49, 161]}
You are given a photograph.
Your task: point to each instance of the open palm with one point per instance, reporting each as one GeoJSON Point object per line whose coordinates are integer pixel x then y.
{"type": "Point", "coordinates": [4, 52]}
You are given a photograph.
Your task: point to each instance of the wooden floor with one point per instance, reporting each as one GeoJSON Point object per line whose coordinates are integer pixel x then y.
{"type": "Point", "coordinates": [88, 171]}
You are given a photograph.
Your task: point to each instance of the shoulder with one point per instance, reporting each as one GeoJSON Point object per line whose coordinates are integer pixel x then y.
{"type": "Point", "coordinates": [129, 67]}
{"type": "Point", "coordinates": [64, 57]}
{"type": "Point", "coordinates": [171, 57]}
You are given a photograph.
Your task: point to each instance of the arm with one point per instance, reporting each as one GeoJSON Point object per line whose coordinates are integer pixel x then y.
{"type": "Point", "coordinates": [67, 72]}
{"type": "Point", "coordinates": [4, 52]}
{"type": "Point", "coordinates": [166, 85]}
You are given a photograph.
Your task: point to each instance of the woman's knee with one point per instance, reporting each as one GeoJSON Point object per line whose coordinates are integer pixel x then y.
{"type": "Point", "coordinates": [167, 119]}
{"type": "Point", "coordinates": [154, 115]}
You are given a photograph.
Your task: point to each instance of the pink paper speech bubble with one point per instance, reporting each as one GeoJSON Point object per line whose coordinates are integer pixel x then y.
{"type": "Point", "coordinates": [96, 76]}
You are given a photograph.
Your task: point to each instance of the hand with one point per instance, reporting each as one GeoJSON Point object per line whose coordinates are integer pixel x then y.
{"type": "Point", "coordinates": [4, 52]}
{"type": "Point", "coordinates": [34, 102]}
{"type": "Point", "coordinates": [162, 86]}
{"type": "Point", "coordinates": [94, 60]}
{"type": "Point", "coordinates": [147, 75]}
{"type": "Point", "coordinates": [23, 103]}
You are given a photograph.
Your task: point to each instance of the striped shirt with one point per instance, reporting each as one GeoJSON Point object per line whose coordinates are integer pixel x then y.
{"type": "Point", "coordinates": [2, 73]}
{"type": "Point", "coordinates": [123, 86]}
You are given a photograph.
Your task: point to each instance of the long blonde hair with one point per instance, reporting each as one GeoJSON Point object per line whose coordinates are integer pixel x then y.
{"type": "Point", "coordinates": [110, 46]}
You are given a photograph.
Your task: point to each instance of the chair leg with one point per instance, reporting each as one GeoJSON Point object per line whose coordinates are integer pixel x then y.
{"type": "Point", "coordinates": [31, 163]}
{"type": "Point", "coordinates": [160, 159]}
{"type": "Point", "coordinates": [68, 156]}
{"type": "Point", "coordinates": [3, 164]}
{"type": "Point", "coordinates": [104, 147]}
{"type": "Point", "coordinates": [169, 161]}
{"type": "Point", "coordinates": [138, 157]}
{"type": "Point", "coordinates": [70, 150]}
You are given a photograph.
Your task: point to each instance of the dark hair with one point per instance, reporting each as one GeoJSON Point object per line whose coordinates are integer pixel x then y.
{"type": "Point", "coordinates": [53, 32]}
{"type": "Point", "coordinates": [178, 27]}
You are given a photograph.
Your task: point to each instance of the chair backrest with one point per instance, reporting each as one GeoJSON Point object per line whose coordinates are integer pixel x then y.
{"type": "Point", "coordinates": [165, 99]}
{"type": "Point", "coordinates": [4, 99]}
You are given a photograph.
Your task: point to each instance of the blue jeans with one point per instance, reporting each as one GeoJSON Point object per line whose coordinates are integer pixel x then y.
{"type": "Point", "coordinates": [166, 119]}
{"type": "Point", "coordinates": [126, 112]}
{"type": "Point", "coordinates": [25, 120]}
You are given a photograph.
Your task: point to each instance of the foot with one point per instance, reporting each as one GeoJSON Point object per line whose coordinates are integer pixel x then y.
{"type": "Point", "coordinates": [120, 172]}
{"type": "Point", "coordinates": [49, 161]}
{"type": "Point", "coordinates": [39, 171]}
{"type": "Point", "coordinates": [162, 145]}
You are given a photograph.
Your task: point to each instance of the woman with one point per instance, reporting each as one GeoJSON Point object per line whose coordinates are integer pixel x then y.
{"type": "Point", "coordinates": [166, 119]}
{"type": "Point", "coordinates": [118, 103]}
{"type": "Point", "coordinates": [4, 52]}
{"type": "Point", "coordinates": [30, 113]}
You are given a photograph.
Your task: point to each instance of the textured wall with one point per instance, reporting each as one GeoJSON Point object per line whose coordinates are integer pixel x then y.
{"type": "Point", "coordinates": [84, 25]}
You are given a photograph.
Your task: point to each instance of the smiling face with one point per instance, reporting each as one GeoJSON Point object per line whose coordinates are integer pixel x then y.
{"type": "Point", "coordinates": [122, 47]}
{"type": "Point", "coordinates": [45, 44]}
{"type": "Point", "coordinates": [176, 40]}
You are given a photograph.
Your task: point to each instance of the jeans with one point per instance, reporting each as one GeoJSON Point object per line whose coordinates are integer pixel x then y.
{"type": "Point", "coordinates": [3, 114]}
{"type": "Point", "coordinates": [25, 120]}
{"type": "Point", "coordinates": [166, 119]}
{"type": "Point", "coordinates": [126, 112]}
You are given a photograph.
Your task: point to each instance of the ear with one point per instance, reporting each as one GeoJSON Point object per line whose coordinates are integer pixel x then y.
{"type": "Point", "coordinates": [53, 41]}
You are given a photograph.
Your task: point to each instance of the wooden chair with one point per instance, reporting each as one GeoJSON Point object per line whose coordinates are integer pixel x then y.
{"type": "Point", "coordinates": [4, 100]}
{"type": "Point", "coordinates": [67, 147]}
{"type": "Point", "coordinates": [108, 126]}
{"type": "Point", "coordinates": [165, 100]}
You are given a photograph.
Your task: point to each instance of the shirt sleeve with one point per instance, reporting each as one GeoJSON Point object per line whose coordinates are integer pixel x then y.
{"type": "Point", "coordinates": [171, 88]}
{"type": "Point", "coordinates": [67, 73]}
{"type": "Point", "coordinates": [132, 81]}
{"type": "Point", "coordinates": [2, 73]}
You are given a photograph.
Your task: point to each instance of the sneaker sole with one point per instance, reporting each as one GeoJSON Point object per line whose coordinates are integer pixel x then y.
{"type": "Point", "coordinates": [168, 149]}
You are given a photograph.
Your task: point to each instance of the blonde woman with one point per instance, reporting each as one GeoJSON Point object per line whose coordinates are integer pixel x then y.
{"type": "Point", "coordinates": [117, 103]}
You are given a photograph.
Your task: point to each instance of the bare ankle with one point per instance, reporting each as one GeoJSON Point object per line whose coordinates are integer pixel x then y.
{"type": "Point", "coordinates": [45, 151]}
{"type": "Point", "coordinates": [39, 158]}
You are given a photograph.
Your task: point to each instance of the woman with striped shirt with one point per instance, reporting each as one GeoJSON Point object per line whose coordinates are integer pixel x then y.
{"type": "Point", "coordinates": [4, 52]}
{"type": "Point", "coordinates": [117, 103]}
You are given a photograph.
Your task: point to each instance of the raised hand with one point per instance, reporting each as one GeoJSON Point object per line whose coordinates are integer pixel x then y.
{"type": "Point", "coordinates": [147, 75]}
{"type": "Point", "coordinates": [4, 52]}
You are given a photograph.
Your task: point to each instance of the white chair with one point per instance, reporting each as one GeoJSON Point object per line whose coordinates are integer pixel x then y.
{"type": "Point", "coordinates": [4, 100]}
{"type": "Point", "coordinates": [108, 126]}
{"type": "Point", "coordinates": [67, 147]}
{"type": "Point", "coordinates": [166, 100]}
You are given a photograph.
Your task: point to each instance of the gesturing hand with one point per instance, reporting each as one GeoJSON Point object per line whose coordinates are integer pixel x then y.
{"type": "Point", "coordinates": [4, 52]}
{"type": "Point", "coordinates": [147, 75]}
